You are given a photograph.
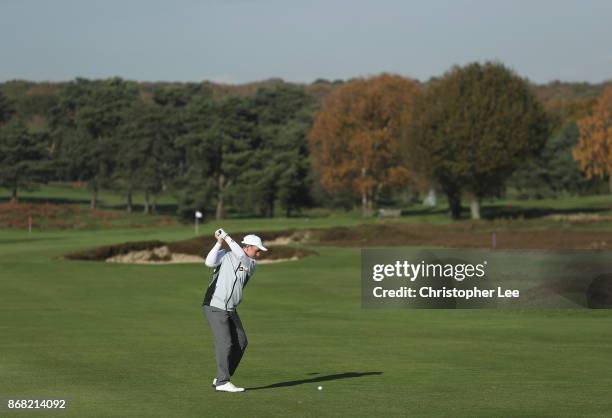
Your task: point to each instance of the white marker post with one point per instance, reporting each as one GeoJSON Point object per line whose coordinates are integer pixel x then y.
{"type": "Point", "coordinates": [198, 215]}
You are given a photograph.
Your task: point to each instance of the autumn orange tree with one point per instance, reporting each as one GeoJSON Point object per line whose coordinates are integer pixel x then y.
{"type": "Point", "coordinates": [593, 152]}
{"type": "Point", "coordinates": [354, 139]}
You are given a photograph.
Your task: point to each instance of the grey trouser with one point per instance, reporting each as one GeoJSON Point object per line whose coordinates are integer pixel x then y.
{"type": "Point", "coordinates": [230, 341]}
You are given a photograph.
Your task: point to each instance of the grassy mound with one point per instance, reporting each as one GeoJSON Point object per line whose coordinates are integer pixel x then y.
{"type": "Point", "coordinates": [458, 236]}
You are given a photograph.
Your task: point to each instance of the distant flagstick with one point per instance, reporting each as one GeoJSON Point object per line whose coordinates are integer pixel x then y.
{"type": "Point", "coordinates": [198, 215]}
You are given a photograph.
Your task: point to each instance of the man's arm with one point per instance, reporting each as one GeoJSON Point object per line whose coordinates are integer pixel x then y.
{"type": "Point", "coordinates": [236, 249]}
{"type": "Point", "coordinates": [213, 259]}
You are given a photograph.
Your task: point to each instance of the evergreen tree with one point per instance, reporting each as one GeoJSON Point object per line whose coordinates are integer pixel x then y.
{"type": "Point", "coordinates": [219, 141]}
{"type": "Point", "coordinates": [22, 158]}
{"type": "Point", "coordinates": [147, 157]}
{"type": "Point", "coordinates": [7, 109]}
{"type": "Point", "coordinates": [279, 170]}
{"type": "Point", "coordinates": [553, 172]}
{"type": "Point", "coordinates": [87, 121]}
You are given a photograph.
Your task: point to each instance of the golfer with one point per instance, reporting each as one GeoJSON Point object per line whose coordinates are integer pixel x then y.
{"type": "Point", "coordinates": [232, 271]}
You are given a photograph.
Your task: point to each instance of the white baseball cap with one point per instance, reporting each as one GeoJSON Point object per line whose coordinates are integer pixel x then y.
{"type": "Point", "coordinates": [254, 240]}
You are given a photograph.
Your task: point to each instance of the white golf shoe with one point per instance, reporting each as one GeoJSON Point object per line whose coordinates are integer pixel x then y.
{"type": "Point", "coordinates": [228, 387]}
{"type": "Point", "coordinates": [214, 382]}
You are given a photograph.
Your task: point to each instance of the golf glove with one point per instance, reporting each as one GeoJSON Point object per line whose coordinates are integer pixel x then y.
{"type": "Point", "coordinates": [220, 233]}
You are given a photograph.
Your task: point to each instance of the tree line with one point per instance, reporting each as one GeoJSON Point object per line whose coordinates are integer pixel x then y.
{"type": "Point", "coordinates": [281, 147]}
{"type": "Point", "coordinates": [245, 152]}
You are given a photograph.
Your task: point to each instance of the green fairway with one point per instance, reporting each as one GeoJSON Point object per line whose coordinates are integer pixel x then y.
{"type": "Point", "coordinates": [126, 340]}
{"type": "Point", "coordinates": [78, 193]}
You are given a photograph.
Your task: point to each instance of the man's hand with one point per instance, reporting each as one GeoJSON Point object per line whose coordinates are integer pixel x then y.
{"type": "Point", "coordinates": [220, 234]}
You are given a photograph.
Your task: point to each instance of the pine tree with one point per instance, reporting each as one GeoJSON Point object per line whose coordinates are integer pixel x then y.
{"type": "Point", "coordinates": [22, 158]}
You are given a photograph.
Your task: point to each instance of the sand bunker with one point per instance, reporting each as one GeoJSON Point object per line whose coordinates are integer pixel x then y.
{"type": "Point", "coordinates": [190, 251]}
{"type": "Point", "coordinates": [162, 255]}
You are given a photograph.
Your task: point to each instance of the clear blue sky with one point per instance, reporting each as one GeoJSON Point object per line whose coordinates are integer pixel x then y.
{"type": "Point", "coordinates": [237, 41]}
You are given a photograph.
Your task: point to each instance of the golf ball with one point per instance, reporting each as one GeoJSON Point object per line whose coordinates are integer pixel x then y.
{"type": "Point", "coordinates": [320, 388]}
